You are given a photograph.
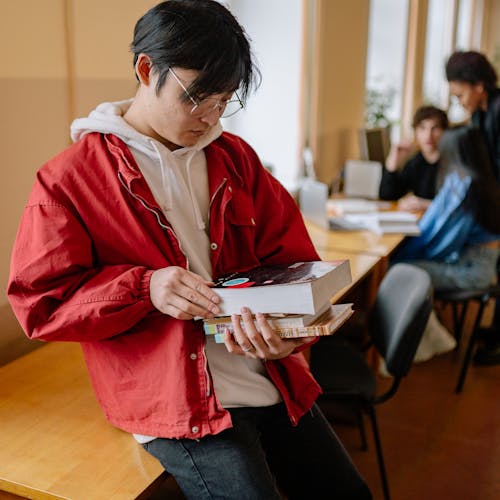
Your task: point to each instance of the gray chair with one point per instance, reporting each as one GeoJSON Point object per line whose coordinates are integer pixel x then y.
{"type": "Point", "coordinates": [396, 324]}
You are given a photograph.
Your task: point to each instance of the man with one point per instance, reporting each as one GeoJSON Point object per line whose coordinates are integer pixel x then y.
{"type": "Point", "coordinates": [473, 81]}
{"type": "Point", "coordinates": [413, 181]}
{"type": "Point", "coordinates": [122, 236]}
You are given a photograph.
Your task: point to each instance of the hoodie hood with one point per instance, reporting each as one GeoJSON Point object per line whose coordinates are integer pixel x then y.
{"type": "Point", "coordinates": [107, 118]}
{"type": "Point", "coordinates": [173, 176]}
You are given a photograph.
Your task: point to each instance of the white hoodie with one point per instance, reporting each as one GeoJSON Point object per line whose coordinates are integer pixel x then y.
{"type": "Point", "coordinates": [179, 182]}
{"type": "Point", "coordinates": [178, 179]}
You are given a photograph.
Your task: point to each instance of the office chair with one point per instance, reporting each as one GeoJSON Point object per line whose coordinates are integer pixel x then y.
{"type": "Point", "coordinates": [396, 323]}
{"type": "Point", "coordinates": [462, 299]}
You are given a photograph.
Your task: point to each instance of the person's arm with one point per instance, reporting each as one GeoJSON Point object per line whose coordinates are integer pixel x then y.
{"type": "Point", "coordinates": [58, 292]}
{"type": "Point", "coordinates": [393, 184]}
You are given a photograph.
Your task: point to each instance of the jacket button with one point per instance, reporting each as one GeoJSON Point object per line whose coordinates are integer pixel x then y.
{"type": "Point", "coordinates": [194, 429]}
{"type": "Point", "coordinates": [193, 355]}
{"type": "Point", "coordinates": [213, 246]}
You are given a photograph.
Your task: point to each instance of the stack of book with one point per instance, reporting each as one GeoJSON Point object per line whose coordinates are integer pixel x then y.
{"type": "Point", "coordinates": [289, 325]}
{"type": "Point", "coordinates": [296, 298]}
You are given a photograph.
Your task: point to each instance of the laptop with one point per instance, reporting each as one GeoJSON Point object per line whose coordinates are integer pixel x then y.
{"type": "Point", "coordinates": [313, 199]}
{"type": "Point", "coordinates": [362, 178]}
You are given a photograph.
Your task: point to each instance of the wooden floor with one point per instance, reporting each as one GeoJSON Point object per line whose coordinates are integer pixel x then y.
{"type": "Point", "coordinates": [437, 444]}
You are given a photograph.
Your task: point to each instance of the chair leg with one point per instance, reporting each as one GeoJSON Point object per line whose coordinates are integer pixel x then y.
{"type": "Point", "coordinates": [378, 446]}
{"type": "Point", "coordinates": [361, 427]}
{"type": "Point", "coordinates": [470, 346]}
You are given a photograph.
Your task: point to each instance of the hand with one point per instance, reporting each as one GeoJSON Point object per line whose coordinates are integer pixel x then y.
{"type": "Point", "coordinates": [182, 294]}
{"type": "Point", "coordinates": [412, 203]}
{"type": "Point", "coordinates": [397, 155]}
{"type": "Point", "coordinates": [265, 345]}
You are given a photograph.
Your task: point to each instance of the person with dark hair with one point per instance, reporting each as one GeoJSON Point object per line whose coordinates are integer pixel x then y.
{"type": "Point", "coordinates": [473, 80]}
{"type": "Point", "coordinates": [120, 242]}
{"type": "Point", "coordinates": [413, 181]}
{"type": "Point", "coordinates": [460, 231]}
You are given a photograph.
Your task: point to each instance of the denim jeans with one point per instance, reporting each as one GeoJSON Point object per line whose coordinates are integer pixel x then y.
{"type": "Point", "coordinates": [476, 268]}
{"type": "Point", "coordinates": [261, 456]}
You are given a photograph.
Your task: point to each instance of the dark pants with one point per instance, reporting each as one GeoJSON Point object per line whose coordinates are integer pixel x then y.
{"type": "Point", "coordinates": [261, 455]}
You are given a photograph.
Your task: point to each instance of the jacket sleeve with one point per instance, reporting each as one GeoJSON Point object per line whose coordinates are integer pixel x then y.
{"type": "Point", "coordinates": [57, 292]}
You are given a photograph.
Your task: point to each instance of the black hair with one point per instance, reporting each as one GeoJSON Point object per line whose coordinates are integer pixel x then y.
{"type": "Point", "coordinates": [201, 35]}
{"type": "Point", "coordinates": [464, 149]}
{"type": "Point", "coordinates": [430, 113]}
{"type": "Point", "coordinates": [471, 67]}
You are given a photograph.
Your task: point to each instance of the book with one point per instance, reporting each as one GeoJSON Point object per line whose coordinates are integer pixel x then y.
{"type": "Point", "coordinates": [299, 288]}
{"type": "Point", "coordinates": [386, 222]}
{"type": "Point", "coordinates": [219, 323]}
{"type": "Point", "coordinates": [327, 323]}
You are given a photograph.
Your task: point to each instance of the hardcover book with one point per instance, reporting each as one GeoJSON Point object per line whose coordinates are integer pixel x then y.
{"type": "Point", "coordinates": [299, 288]}
{"type": "Point", "coordinates": [326, 324]}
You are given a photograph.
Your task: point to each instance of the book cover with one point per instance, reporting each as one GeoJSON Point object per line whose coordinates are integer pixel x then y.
{"type": "Point", "coordinates": [326, 324]}
{"type": "Point", "coordinates": [299, 288]}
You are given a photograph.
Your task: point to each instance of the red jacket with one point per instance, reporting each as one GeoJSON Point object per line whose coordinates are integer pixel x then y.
{"type": "Point", "coordinates": [89, 240]}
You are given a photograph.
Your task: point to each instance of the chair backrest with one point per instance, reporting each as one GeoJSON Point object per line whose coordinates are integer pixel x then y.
{"type": "Point", "coordinates": [399, 316]}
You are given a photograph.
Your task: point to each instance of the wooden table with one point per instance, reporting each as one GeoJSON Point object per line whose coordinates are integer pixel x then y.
{"type": "Point", "coordinates": [54, 440]}
{"type": "Point", "coordinates": [366, 242]}
{"type": "Point", "coordinates": [364, 268]}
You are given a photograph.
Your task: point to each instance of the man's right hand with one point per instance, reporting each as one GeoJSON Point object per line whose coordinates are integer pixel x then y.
{"type": "Point", "coordinates": [397, 155]}
{"type": "Point", "coordinates": [182, 294]}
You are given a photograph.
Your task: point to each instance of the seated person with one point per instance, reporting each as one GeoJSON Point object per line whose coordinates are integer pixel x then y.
{"type": "Point", "coordinates": [459, 242]}
{"type": "Point", "coordinates": [415, 177]}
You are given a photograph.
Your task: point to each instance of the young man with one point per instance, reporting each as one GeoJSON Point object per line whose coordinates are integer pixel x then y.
{"type": "Point", "coordinates": [122, 236]}
{"type": "Point", "coordinates": [418, 174]}
{"type": "Point", "coordinates": [473, 80]}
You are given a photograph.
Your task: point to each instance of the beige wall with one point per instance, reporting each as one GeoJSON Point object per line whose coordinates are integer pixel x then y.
{"type": "Point", "coordinates": [61, 57]}
{"type": "Point", "coordinates": [338, 85]}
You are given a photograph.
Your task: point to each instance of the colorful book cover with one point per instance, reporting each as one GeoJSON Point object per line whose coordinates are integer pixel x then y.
{"type": "Point", "coordinates": [299, 288]}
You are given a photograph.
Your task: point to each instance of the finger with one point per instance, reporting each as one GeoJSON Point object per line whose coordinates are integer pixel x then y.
{"type": "Point", "coordinates": [242, 326]}
{"type": "Point", "coordinates": [194, 297]}
{"type": "Point", "coordinates": [180, 303]}
{"type": "Point", "coordinates": [201, 286]}
{"type": "Point", "coordinates": [235, 348]}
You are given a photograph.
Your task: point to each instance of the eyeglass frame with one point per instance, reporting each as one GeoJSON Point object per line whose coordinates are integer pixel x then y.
{"type": "Point", "coordinates": [218, 103]}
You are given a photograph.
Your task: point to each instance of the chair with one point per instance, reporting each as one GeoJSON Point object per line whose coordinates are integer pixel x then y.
{"type": "Point", "coordinates": [463, 299]}
{"type": "Point", "coordinates": [396, 323]}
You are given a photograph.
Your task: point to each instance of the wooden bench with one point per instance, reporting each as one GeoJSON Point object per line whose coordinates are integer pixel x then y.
{"type": "Point", "coordinates": [54, 440]}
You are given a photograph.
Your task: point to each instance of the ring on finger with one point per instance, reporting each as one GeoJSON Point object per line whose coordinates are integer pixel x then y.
{"type": "Point", "coordinates": [246, 348]}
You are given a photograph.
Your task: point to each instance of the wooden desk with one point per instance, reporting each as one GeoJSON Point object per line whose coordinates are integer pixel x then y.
{"type": "Point", "coordinates": [366, 242]}
{"type": "Point", "coordinates": [363, 268]}
{"type": "Point", "coordinates": [54, 440]}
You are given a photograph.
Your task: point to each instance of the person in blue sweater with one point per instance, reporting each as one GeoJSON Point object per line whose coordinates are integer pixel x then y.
{"type": "Point", "coordinates": [473, 81]}
{"type": "Point", "coordinates": [460, 231]}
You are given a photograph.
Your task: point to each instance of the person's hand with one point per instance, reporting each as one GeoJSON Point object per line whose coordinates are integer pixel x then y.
{"type": "Point", "coordinates": [397, 155]}
{"type": "Point", "coordinates": [182, 294]}
{"type": "Point", "coordinates": [412, 203]}
{"type": "Point", "coordinates": [265, 344]}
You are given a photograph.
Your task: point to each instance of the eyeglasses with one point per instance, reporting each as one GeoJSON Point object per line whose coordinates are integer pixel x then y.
{"type": "Point", "coordinates": [206, 106]}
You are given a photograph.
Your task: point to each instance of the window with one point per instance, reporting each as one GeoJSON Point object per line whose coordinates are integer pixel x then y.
{"type": "Point", "coordinates": [386, 61]}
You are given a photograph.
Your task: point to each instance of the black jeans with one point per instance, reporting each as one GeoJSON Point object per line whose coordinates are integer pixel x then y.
{"type": "Point", "coordinates": [261, 456]}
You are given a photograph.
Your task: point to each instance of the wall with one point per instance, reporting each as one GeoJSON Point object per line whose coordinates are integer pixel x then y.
{"type": "Point", "coordinates": [338, 86]}
{"type": "Point", "coordinates": [59, 61]}
{"type": "Point", "coordinates": [270, 123]}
